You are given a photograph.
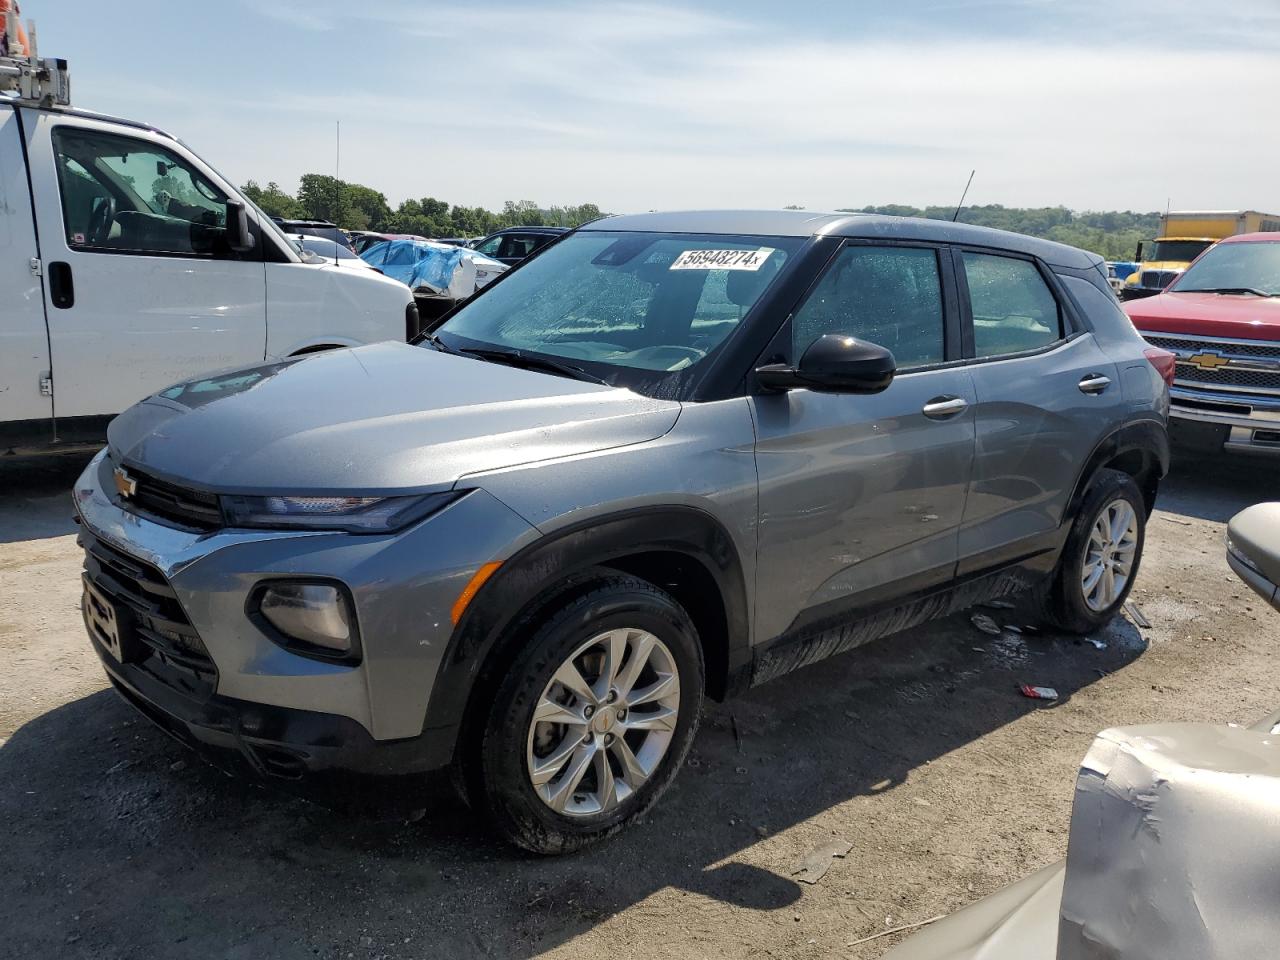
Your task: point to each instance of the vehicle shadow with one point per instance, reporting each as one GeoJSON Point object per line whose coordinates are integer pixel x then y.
{"type": "Point", "coordinates": [118, 842]}
{"type": "Point", "coordinates": [1217, 485]}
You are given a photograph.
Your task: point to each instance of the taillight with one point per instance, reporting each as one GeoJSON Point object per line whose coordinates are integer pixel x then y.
{"type": "Point", "coordinates": [1163, 361]}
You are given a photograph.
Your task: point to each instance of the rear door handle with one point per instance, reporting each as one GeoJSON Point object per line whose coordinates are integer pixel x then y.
{"type": "Point", "coordinates": [940, 408]}
{"type": "Point", "coordinates": [1094, 383]}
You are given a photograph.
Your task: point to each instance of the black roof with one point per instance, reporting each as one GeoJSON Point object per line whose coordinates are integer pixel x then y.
{"type": "Point", "coordinates": [805, 223]}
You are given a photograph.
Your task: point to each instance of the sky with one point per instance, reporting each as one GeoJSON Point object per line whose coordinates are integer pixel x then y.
{"type": "Point", "coordinates": [1092, 104]}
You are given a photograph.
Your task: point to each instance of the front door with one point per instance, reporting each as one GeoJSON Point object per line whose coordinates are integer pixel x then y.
{"type": "Point", "coordinates": [142, 288]}
{"type": "Point", "coordinates": [861, 496]}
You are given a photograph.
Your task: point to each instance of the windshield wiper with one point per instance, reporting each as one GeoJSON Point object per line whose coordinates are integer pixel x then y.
{"type": "Point", "coordinates": [514, 358]}
{"type": "Point", "coordinates": [1250, 290]}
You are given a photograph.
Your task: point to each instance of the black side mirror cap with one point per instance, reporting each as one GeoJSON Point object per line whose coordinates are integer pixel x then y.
{"type": "Point", "coordinates": [239, 238]}
{"type": "Point", "coordinates": [834, 363]}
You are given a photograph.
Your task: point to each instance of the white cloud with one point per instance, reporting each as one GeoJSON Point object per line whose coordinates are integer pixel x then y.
{"type": "Point", "coordinates": [638, 106]}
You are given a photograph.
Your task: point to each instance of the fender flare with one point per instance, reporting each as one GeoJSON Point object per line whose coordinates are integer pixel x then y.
{"type": "Point", "coordinates": [574, 555]}
{"type": "Point", "coordinates": [1148, 437]}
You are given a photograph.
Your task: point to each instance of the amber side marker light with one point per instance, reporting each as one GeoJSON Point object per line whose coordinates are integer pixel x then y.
{"type": "Point", "coordinates": [471, 589]}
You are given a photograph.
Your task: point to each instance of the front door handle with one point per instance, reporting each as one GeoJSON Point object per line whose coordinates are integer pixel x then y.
{"type": "Point", "coordinates": [62, 290]}
{"type": "Point", "coordinates": [940, 408]}
{"type": "Point", "coordinates": [1094, 383]}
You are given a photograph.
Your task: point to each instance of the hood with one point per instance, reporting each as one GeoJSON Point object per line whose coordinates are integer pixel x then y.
{"type": "Point", "coordinates": [1243, 317]}
{"type": "Point", "coordinates": [378, 419]}
{"type": "Point", "coordinates": [1018, 922]}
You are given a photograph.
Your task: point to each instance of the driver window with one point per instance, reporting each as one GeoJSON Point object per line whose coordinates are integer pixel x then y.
{"type": "Point", "coordinates": [129, 196]}
{"type": "Point", "coordinates": [891, 296]}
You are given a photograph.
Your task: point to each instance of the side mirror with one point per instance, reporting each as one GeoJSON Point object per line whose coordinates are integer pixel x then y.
{"type": "Point", "coordinates": [239, 238]}
{"type": "Point", "coordinates": [1137, 253]}
{"type": "Point", "coordinates": [834, 363]}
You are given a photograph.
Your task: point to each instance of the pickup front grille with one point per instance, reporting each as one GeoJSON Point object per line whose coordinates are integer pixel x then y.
{"type": "Point", "coordinates": [1156, 279]}
{"type": "Point", "coordinates": [1244, 348]}
{"type": "Point", "coordinates": [1261, 381]}
{"type": "Point", "coordinates": [168, 501]}
{"type": "Point", "coordinates": [174, 652]}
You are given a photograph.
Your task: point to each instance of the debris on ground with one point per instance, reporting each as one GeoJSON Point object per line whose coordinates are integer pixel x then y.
{"type": "Point", "coordinates": [985, 624]}
{"type": "Point", "coordinates": [814, 865]}
{"type": "Point", "coordinates": [997, 605]}
{"type": "Point", "coordinates": [1137, 616]}
{"type": "Point", "coordinates": [885, 933]}
{"type": "Point", "coordinates": [1038, 693]}
{"type": "Point", "coordinates": [1098, 644]}
{"type": "Point", "coordinates": [1013, 628]}
{"type": "Point", "coordinates": [1181, 523]}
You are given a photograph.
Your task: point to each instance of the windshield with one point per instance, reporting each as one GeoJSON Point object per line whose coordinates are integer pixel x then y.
{"type": "Point", "coordinates": [1236, 266]}
{"type": "Point", "coordinates": [637, 301]}
{"type": "Point", "coordinates": [1183, 251]}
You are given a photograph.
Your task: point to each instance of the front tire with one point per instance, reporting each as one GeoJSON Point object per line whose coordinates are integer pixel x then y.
{"type": "Point", "coordinates": [1100, 560]}
{"type": "Point", "coordinates": [593, 718]}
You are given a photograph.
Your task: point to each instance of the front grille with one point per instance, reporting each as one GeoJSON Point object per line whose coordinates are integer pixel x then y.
{"type": "Point", "coordinates": [1243, 348]}
{"type": "Point", "coordinates": [174, 652]}
{"type": "Point", "coordinates": [168, 501]}
{"type": "Point", "coordinates": [1156, 279]}
{"type": "Point", "coordinates": [1226, 377]}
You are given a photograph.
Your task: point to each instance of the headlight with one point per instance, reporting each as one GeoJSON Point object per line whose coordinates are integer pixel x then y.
{"type": "Point", "coordinates": [311, 618]}
{"type": "Point", "coordinates": [353, 514]}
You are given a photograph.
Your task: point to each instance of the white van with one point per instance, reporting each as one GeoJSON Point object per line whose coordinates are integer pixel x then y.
{"type": "Point", "coordinates": [127, 263]}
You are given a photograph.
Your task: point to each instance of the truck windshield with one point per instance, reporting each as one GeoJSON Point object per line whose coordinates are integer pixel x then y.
{"type": "Point", "coordinates": [1176, 251]}
{"type": "Point", "coordinates": [1236, 268]}
{"type": "Point", "coordinates": [614, 302]}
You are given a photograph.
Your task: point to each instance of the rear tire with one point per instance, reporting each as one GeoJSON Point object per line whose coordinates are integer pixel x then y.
{"type": "Point", "coordinates": [1101, 557]}
{"type": "Point", "coordinates": [593, 718]}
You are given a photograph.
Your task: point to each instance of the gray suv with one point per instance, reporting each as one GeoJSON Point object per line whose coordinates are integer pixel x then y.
{"type": "Point", "coordinates": [672, 456]}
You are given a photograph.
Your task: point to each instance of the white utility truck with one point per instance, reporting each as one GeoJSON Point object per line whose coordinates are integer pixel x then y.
{"type": "Point", "coordinates": [127, 263]}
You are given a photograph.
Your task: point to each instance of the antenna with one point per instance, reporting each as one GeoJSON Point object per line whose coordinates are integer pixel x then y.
{"type": "Point", "coordinates": [960, 206]}
{"type": "Point", "coordinates": [337, 182]}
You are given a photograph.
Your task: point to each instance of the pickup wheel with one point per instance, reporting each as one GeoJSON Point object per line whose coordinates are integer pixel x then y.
{"type": "Point", "coordinates": [594, 717]}
{"type": "Point", "coordinates": [1101, 557]}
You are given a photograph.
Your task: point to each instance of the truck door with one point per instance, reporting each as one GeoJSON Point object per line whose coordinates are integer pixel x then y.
{"type": "Point", "coordinates": [142, 287]}
{"type": "Point", "coordinates": [24, 341]}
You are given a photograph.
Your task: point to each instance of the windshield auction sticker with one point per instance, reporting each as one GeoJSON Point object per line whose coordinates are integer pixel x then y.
{"type": "Point", "coordinates": [722, 259]}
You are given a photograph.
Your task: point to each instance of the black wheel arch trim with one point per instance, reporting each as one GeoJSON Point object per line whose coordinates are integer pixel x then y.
{"type": "Point", "coordinates": [575, 554]}
{"type": "Point", "coordinates": [1148, 437]}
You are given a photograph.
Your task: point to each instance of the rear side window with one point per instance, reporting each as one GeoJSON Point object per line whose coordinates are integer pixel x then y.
{"type": "Point", "coordinates": [1013, 308]}
{"type": "Point", "coordinates": [891, 296]}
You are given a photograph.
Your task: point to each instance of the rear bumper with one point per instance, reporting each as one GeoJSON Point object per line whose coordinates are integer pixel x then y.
{"type": "Point", "coordinates": [1251, 422]}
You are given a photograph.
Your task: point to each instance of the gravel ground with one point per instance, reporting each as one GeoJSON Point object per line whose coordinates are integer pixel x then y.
{"type": "Point", "coordinates": [917, 751]}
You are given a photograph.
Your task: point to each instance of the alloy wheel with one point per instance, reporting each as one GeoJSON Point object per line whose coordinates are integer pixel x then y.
{"type": "Point", "coordinates": [1109, 555]}
{"type": "Point", "coordinates": [603, 723]}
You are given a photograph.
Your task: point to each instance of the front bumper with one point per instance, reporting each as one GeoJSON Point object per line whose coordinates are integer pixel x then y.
{"type": "Point", "coordinates": [1252, 421]}
{"type": "Point", "coordinates": [207, 674]}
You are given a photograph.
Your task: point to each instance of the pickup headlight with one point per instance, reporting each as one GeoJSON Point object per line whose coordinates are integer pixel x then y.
{"type": "Point", "coordinates": [352, 514]}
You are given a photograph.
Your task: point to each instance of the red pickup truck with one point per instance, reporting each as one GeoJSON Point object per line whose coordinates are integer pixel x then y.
{"type": "Point", "coordinates": [1221, 319]}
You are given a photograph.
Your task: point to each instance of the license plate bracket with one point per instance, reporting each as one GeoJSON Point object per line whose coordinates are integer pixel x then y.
{"type": "Point", "coordinates": [111, 624]}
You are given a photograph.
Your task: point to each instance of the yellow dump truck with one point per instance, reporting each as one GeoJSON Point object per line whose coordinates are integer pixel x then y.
{"type": "Point", "coordinates": [1183, 236]}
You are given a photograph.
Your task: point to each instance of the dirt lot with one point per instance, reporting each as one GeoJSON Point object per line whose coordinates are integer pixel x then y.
{"type": "Point", "coordinates": [917, 750]}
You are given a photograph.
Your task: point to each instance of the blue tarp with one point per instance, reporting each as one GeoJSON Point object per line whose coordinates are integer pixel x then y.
{"type": "Point", "coordinates": [417, 263]}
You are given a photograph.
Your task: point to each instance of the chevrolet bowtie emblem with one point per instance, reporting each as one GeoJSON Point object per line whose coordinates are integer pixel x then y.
{"type": "Point", "coordinates": [126, 486]}
{"type": "Point", "coordinates": [1207, 360]}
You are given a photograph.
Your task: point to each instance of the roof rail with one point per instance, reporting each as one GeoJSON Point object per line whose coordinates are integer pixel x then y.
{"type": "Point", "coordinates": [36, 82]}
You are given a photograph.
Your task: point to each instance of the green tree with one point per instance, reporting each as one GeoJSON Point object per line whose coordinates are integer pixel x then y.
{"type": "Point", "coordinates": [273, 201]}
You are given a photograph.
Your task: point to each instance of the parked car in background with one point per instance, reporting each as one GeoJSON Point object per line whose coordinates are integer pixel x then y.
{"type": "Point", "coordinates": [362, 240]}
{"type": "Point", "coordinates": [512, 245]}
{"type": "Point", "coordinates": [329, 251]}
{"type": "Point", "coordinates": [1183, 236]}
{"type": "Point", "coordinates": [315, 228]}
{"type": "Point", "coordinates": [672, 456]}
{"type": "Point", "coordinates": [128, 263]}
{"type": "Point", "coordinates": [1118, 271]}
{"type": "Point", "coordinates": [452, 241]}
{"type": "Point", "coordinates": [1221, 319]}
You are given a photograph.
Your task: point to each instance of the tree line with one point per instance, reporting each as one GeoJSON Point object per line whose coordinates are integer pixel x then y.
{"type": "Point", "coordinates": [1113, 235]}
{"type": "Point", "coordinates": [354, 206]}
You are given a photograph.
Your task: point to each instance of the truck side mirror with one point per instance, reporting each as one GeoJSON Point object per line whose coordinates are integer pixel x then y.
{"type": "Point", "coordinates": [239, 238]}
{"type": "Point", "coordinates": [1137, 253]}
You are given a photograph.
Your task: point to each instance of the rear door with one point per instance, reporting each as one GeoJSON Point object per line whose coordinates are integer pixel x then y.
{"type": "Point", "coordinates": [861, 497]}
{"type": "Point", "coordinates": [143, 290]}
{"type": "Point", "coordinates": [1046, 394]}
{"type": "Point", "coordinates": [24, 341]}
